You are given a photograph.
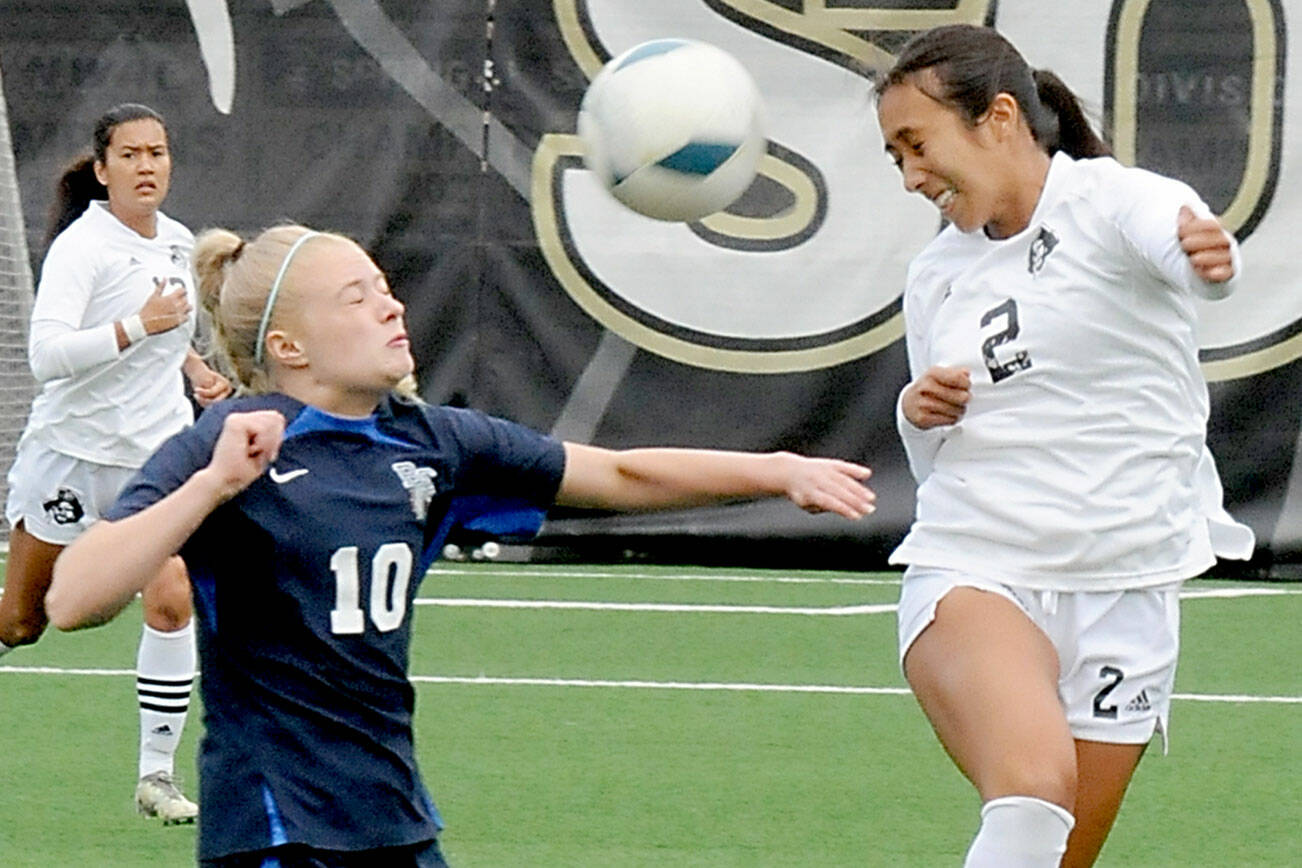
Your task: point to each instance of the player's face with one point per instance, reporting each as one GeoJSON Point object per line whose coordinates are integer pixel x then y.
{"type": "Point", "coordinates": [137, 168]}
{"type": "Point", "coordinates": [348, 323]}
{"type": "Point", "coordinates": [940, 155]}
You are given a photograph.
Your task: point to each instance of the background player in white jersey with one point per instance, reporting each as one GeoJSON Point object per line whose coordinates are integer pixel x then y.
{"type": "Point", "coordinates": [110, 336]}
{"type": "Point", "coordinates": [307, 514]}
{"type": "Point", "coordinates": [1056, 424]}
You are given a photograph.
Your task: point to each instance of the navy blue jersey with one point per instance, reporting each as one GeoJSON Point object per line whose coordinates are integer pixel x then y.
{"type": "Point", "coordinates": [303, 586]}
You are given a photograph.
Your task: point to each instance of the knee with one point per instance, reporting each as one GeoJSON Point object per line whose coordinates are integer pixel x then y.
{"type": "Point", "coordinates": [167, 619]}
{"type": "Point", "coordinates": [167, 602]}
{"type": "Point", "coordinates": [23, 629]}
{"type": "Point", "coordinates": [1051, 778]}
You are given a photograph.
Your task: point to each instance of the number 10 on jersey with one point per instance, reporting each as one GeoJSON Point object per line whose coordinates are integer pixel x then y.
{"type": "Point", "coordinates": [390, 577]}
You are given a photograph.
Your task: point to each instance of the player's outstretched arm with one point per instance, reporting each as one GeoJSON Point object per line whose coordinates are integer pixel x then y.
{"type": "Point", "coordinates": [661, 478]}
{"type": "Point", "coordinates": [96, 576]}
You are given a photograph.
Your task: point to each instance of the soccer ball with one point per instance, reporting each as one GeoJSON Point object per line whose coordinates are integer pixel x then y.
{"type": "Point", "coordinates": [673, 128]}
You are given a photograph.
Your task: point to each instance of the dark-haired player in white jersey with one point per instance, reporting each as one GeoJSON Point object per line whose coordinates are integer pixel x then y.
{"type": "Point", "coordinates": [307, 515]}
{"type": "Point", "coordinates": [1056, 425]}
{"type": "Point", "coordinates": [110, 338]}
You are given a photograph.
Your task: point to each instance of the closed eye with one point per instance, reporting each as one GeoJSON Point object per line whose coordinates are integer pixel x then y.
{"type": "Point", "coordinates": [915, 148]}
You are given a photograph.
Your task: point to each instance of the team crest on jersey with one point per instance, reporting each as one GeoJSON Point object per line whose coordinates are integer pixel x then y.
{"type": "Point", "coordinates": [64, 507]}
{"type": "Point", "coordinates": [1041, 247]}
{"type": "Point", "coordinates": [419, 482]}
{"type": "Point", "coordinates": [177, 254]}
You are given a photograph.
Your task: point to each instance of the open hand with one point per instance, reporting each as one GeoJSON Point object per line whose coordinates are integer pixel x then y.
{"type": "Point", "coordinates": [830, 485]}
{"type": "Point", "coordinates": [164, 312]}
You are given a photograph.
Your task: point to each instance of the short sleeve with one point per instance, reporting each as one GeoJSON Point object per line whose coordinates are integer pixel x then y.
{"type": "Point", "coordinates": [502, 458]}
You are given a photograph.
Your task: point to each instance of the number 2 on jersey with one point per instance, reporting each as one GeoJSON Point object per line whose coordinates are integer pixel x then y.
{"type": "Point", "coordinates": [1115, 677]}
{"type": "Point", "coordinates": [1021, 360]}
{"type": "Point", "coordinates": [390, 576]}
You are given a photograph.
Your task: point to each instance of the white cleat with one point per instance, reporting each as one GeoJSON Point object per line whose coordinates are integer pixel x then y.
{"type": "Point", "coordinates": [157, 796]}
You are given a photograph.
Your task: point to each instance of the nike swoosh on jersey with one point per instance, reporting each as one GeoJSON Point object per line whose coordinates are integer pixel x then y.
{"type": "Point", "coordinates": [281, 478]}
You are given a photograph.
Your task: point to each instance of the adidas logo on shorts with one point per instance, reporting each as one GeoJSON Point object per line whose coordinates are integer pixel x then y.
{"type": "Point", "coordinates": [1139, 703]}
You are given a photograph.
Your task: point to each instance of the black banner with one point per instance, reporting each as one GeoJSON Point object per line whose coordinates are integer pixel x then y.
{"type": "Point", "coordinates": [441, 137]}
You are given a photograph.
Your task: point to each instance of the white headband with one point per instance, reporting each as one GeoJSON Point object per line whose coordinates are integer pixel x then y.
{"type": "Point", "coordinates": [275, 291]}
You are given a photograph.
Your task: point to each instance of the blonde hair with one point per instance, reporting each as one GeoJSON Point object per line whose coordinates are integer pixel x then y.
{"type": "Point", "coordinates": [234, 278]}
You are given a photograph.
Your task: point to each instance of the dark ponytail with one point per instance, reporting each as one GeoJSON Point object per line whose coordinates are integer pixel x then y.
{"type": "Point", "coordinates": [1075, 135]}
{"type": "Point", "coordinates": [76, 189]}
{"type": "Point", "coordinates": [77, 186]}
{"type": "Point", "coordinates": [972, 65]}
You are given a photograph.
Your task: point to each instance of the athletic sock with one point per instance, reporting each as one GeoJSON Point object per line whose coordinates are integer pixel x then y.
{"type": "Point", "coordinates": [164, 676]}
{"type": "Point", "coordinates": [1020, 832]}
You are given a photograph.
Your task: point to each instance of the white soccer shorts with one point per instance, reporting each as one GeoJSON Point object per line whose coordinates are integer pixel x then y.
{"type": "Point", "coordinates": [57, 497]}
{"type": "Point", "coordinates": [1117, 650]}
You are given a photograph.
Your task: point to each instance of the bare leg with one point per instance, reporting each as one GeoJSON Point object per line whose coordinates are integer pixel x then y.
{"type": "Point", "coordinates": [987, 679]}
{"type": "Point", "coordinates": [1105, 771]}
{"type": "Point", "coordinates": [167, 598]}
{"type": "Point", "coordinates": [27, 578]}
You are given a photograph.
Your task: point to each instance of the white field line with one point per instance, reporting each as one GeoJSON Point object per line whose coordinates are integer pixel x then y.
{"type": "Point", "coordinates": [1227, 593]}
{"type": "Point", "coordinates": [720, 608]}
{"type": "Point", "coordinates": [478, 572]}
{"type": "Point", "coordinates": [730, 609]}
{"type": "Point", "coordinates": [726, 686]}
{"type": "Point", "coordinates": [597, 606]}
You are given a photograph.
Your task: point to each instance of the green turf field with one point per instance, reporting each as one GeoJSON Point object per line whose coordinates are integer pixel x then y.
{"type": "Point", "coordinates": [657, 716]}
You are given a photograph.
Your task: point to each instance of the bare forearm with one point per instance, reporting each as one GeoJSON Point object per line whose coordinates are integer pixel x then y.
{"type": "Point", "coordinates": [96, 576]}
{"type": "Point", "coordinates": [194, 365]}
{"type": "Point", "coordinates": [660, 478]}
{"type": "Point", "coordinates": [99, 573]}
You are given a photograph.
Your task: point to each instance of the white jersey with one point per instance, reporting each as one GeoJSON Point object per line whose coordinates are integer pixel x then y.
{"type": "Point", "coordinates": [109, 406]}
{"type": "Point", "coordinates": [1080, 463]}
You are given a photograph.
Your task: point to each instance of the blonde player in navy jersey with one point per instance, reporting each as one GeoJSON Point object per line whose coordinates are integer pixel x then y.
{"type": "Point", "coordinates": [307, 514]}
{"type": "Point", "coordinates": [1055, 423]}
{"type": "Point", "coordinates": [110, 338]}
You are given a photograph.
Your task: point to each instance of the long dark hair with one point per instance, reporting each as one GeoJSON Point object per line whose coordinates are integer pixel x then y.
{"type": "Point", "coordinates": [974, 64]}
{"type": "Point", "coordinates": [77, 186]}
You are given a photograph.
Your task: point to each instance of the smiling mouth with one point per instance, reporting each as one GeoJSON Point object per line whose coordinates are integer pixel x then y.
{"type": "Point", "coordinates": [944, 199]}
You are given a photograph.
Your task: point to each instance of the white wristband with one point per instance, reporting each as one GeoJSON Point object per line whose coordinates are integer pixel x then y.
{"type": "Point", "coordinates": [134, 327]}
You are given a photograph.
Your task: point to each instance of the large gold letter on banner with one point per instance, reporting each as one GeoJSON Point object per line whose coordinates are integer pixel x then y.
{"type": "Point", "coordinates": [806, 270]}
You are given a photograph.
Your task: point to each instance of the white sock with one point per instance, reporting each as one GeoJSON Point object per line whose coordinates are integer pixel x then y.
{"type": "Point", "coordinates": [164, 675]}
{"type": "Point", "coordinates": [1020, 832]}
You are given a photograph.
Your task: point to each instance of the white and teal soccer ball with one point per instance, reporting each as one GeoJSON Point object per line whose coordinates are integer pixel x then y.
{"type": "Point", "coordinates": [673, 128]}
